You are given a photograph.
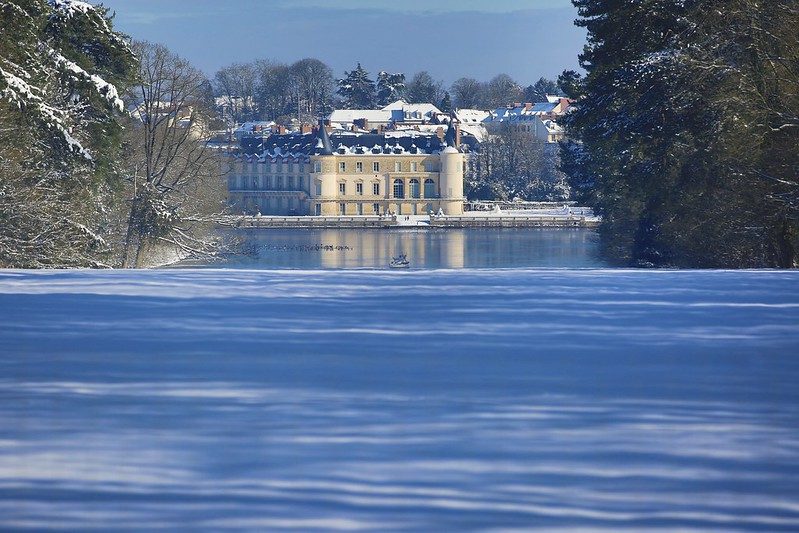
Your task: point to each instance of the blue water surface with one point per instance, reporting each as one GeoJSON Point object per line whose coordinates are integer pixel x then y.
{"type": "Point", "coordinates": [428, 400]}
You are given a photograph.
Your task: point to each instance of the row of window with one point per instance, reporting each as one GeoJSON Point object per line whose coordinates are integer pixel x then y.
{"type": "Point", "coordinates": [264, 168]}
{"type": "Point", "coordinates": [266, 183]}
{"type": "Point", "coordinates": [414, 189]}
{"type": "Point", "coordinates": [342, 209]}
{"type": "Point", "coordinates": [413, 167]}
{"type": "Point", "coordinates": [398, 188]}
{"type": "Point", "coordinates": [359, 209]}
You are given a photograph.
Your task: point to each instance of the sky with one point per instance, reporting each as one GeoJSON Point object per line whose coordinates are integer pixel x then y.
{"type": "Point", "coordinates": [527, 39]}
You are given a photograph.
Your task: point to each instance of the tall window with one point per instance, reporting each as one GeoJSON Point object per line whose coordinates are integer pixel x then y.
{"type": "Point", "coordinates": [290, 184]}
{"type": "Point", "coordinates": [397, 166]}
{"type": "Point", "coordinates": [376, 189]}
{"type": "Point", "coordinates": [279, 184]}
{"type": "Point", "coordinates": [359, 188]}
{"type": "Point", "coordinates": [399, 189]}
{"type": "Point", "coordinates": [429, 188]}
{"type": "Point", "coordinates": [317, 166]}
{"type": "Point", "coordinates": [342, 208]}
{"type": "Point", "coordinates": [376, 208]}
{"type": "Point", "coordinates": [359, 166]}
{"type": "Point", "coordinates": [414, 186]}
{"type": "Point", "coordinates": [414, 166]}
{"type": "Point", "coordinates": [375, 167]}
{"type": "Point", "coordinates": [342, 188]}
{"type": "Point", "coordinates": [342, 166]}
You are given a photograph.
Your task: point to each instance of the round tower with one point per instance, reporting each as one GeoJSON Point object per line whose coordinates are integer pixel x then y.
{"type": "Point", "coordinates": [451, 175]}
{"type": "Point", "coordinates": [323, 183]}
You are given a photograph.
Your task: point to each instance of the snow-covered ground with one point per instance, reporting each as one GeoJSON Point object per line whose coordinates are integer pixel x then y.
{"type": "Point", "coordinates": [433, 400]}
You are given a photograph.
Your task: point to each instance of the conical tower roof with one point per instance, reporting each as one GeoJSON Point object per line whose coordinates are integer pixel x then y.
{"type": "Point", "coordinates": [327, 146]}
{"type": "Point", "coordinates": [450, 137]}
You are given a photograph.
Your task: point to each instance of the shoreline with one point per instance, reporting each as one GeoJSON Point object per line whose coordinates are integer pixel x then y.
{"type": "Point", "coordinates": [478, 220]}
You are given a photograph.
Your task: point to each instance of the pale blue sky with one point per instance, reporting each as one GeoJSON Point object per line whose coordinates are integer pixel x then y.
{"type": "Point", "coordinates": [450, 38]}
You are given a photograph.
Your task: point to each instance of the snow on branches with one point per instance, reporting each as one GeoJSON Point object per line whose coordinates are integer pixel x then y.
{"type": "Point", "coordinates": [35, 52]}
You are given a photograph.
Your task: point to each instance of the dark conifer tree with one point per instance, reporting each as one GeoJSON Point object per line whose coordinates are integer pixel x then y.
{"type": "Point", "coordinates": [390, 87]}
{"type": "Point", "coordinates": [357, 90]}
{"type": "Point", "coordinates": [668, 140]}
{"type": "Point", "coordinates": [446, 103]}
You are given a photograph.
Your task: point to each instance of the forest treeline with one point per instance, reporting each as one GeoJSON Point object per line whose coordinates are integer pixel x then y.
{"type": "Point", "coordinates": [306, 89]}
{"type": "Point", "coordinates": [685, 131]}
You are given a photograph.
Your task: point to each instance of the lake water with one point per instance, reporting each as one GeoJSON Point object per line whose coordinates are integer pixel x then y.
{"type": "Point", "coordinates": [425, 400]}
{"type": "Point", "coordinates": [425, 248]}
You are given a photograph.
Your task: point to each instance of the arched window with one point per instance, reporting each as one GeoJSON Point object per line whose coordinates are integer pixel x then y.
{"type": "Point", "coordinates": [429, 188]}
{"type": "Point", "coordinates": [399, 189]}
{"type": "Point", "coordinates": [414, 186]}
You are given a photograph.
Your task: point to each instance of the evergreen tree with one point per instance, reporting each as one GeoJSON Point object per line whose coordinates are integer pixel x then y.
{"type": "Point", "coordinates": [357, 90]}
{"type": "Point", "coordinates": [390, 87]}
{"type": "Point", "coordinates": [446, 103]}
{"type": "Point", "coordinates": [62, 68]}
{"type": "Point", "coordinates": [683, 130]}
{"type": "Point", "coordinates": [538, 91]}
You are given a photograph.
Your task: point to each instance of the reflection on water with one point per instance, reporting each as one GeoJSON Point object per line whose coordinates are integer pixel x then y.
{"type": "Point", "coordinates": [452, 248]}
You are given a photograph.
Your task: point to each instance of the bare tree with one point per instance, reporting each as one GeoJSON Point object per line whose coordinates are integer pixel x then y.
{"type": "Point", "coordinates": [503, 90]}
{"type": "Point", "coordinates": [313, 83]}
{"type": "Point", "coordinates": [468, 93]}
{"type": "Point", "coordinates": [236, 85]}
{"type": "Point", "coordinates": [273, 89]}
{"type": "Point", "coordinates": [513, 164]}
{"type": "Point", "coordinates": [424, 89]}
{"type": "Point", "coordinates": [175, 178]}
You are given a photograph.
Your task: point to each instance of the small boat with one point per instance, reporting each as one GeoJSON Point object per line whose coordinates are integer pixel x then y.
{"type": "Point", "coordinates": [401, 261]}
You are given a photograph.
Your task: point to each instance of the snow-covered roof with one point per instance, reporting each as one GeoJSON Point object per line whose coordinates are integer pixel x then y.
{"type": "Point", "coordinates": [248, 127]}
{"type": "Point", "coordinates": [347, 116]}
{"type": "Point", "coordinates": [298, 145]}
{"type": "Point", "coordinates": [471, 116]}
{"type": "Point", "coordinates": [552, 126]}
{"type": "Point", "coordinates": [477, 131]}
{"type": "Point", "coordinates": [399, 104]}
{"type": "Point", "coordinates": [424, 109]}
{"type": "Point", "coordinates": [523, 112]}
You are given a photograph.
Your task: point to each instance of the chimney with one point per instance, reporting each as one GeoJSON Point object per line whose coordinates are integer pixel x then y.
{"type": "Point", "coordinates": [281, 129]}
{"type": "Point", "coordinates": [527, 106]}
{"type": "Point", "coordinates": [305, 128]}
{"type": "Point", "coordinates": [457, 134]}
{"type": "Point", "coordinates": [440, 133]}
{"type": "Point", "coordinates": [517, 104]}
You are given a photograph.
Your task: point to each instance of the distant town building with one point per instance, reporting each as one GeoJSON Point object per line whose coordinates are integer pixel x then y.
{"type": "Point", "coordinates": [539, 119]}
{"type": "Point", "coordinates": [399, 113]}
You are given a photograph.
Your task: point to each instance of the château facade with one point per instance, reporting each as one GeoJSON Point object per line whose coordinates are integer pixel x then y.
{"type": "Point", "coordinates": [347, 173]}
